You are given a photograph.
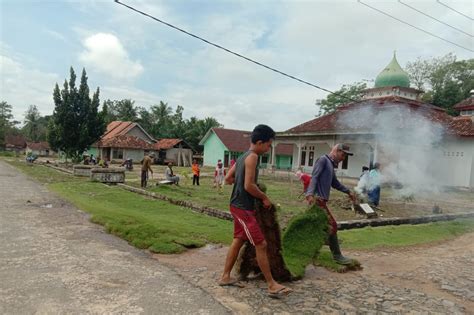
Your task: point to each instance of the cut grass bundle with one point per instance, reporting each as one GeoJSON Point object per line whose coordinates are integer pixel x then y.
{"type": "Point", "coordinates": [302, 241]}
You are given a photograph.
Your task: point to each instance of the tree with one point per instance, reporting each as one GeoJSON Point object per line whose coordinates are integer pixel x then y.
{"type": "Point", "coordinates": [7, 124]}
{"type": "Point", "coordinates": [35, 126]}
{"type": "Point", "coordinates": [75, 123]}
{"type": "Point", "coordinates": [347, 93]}
{"type": "Point", "coordinates": [445, 80]}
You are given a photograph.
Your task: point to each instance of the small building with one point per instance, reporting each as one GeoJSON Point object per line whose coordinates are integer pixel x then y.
{"type": "Point", "coordinates": [15, 143]}
{"type": "Point", "coordinates": [227, 144]}
{"type": "Point", "coordinates": [39, 148]}
{"type": "Point", "coordinates": [176, 151]}
{"type": "Point", "coordinates": [123, 140]}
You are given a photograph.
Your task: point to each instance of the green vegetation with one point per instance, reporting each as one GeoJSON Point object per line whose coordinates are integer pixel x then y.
{"type": "Point", "coordinates": [303, 239]}
{"type": "Point", "coordinates": [145, 223]}
{"type": "Point", "coordinates": [404, 235]}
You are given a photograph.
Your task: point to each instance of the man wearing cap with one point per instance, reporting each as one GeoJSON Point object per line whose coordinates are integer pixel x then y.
{"type": "Point", "coordinates": [323, 178]}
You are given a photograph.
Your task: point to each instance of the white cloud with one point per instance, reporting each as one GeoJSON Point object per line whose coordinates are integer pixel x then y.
{"type": "Point", "coordinates": [105, 54]}
{"type": "Point", "coordinates": [21, 86]}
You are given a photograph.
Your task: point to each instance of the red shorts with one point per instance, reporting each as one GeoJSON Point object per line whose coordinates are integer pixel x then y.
{"type": "Point", "coordinates": [246, 226]}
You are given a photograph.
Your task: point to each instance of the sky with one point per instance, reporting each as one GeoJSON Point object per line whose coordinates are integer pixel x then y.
{"type": "Point", "coordinates": [130, 56]}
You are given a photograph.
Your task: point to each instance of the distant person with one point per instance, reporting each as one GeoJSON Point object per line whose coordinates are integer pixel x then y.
{"type": "Point", "coordinates": [244, 176]}
{"type": "Point", "coordinates": [305, 179]}
{"type": "Point", "coordinates": [373, 192]}
{"type": "Point", "coordinates": [363, 183]}
{"type": "Point", "coordinates": [232, 162]}
{"type": "Point", "coordinates": [322, 179]}
{"type": "Point", "coordinates": [146, 166]}
{"type": "Point", "coordinates": [196, 172]}
{"type": "Point", "coordinates": [219, 175]}
{"type": "Point", "coordinates": [93, 160]}
{"type": "Point", "coordinates": [169, 174]}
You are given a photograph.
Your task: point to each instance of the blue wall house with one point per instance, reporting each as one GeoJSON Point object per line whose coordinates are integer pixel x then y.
{"type": "Point", "coordinates": [227, 144]}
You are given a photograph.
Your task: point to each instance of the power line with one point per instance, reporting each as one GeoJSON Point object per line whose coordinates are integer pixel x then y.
{"type": "Point", "coordinates": [433, 18]}
{"type": "Point", "coordinates": [460, 13]}
{"type": "Point", "coordinates": [234, 53]}
{"type": "Point", "coordinates": [416, 27]}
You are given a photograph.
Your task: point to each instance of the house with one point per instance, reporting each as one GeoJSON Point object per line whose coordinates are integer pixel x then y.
{"type": "Point", "coordinates": [227, 144]}
{"type": "Point", "coordinates": [416, 142]}
{"type": "Point", "coordinates": [123, 140]}
{"type": "Point", "coordinates": [15, 143]}
{"type": "Point", "coordinates": [173, 150]}
{"type": "Point", "coordinates": [39, 148]}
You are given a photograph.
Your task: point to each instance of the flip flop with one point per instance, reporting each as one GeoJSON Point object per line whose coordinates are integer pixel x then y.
{"type": "Point", "coordinates": [232, 283]}
{"type": "Point", "coordinates": [280, 293]}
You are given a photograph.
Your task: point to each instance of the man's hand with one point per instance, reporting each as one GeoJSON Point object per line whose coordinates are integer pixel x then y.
{"type": "Point", "coordinates": [352, 196]}
{"type": "Point", "coordinates": [310, 199]}
{"type": "Point", "coordinates": [266, 203]}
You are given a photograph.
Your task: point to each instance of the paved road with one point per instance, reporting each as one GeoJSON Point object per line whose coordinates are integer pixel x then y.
{"type": "Point", "coordinates": [53, 260]}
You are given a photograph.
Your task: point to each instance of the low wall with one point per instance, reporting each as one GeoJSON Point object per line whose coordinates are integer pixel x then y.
{"type": "Point", "coordinates": [82, 170]}
{"type": "Point", "coordinates": [108, 175]}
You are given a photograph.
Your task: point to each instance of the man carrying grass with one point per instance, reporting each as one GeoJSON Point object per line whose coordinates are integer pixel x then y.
{"type": "Point", "coordinates": [244, 176]}
{"type": "Point", "coordinates": [322, 179]}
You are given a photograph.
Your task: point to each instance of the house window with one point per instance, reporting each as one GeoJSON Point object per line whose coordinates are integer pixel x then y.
{"type": "Point", "coordinates": [345, 163]}
{"type": "Point", "coordinates": [117, 154]}
{"type": "Point", "coordinates": [311, 158]}
{"type": "Point", "coordinates": [264, 159]}
{"type": "Point", "coordinates": [303, 158]}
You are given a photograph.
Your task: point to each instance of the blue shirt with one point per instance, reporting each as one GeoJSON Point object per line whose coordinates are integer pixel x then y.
{"type": "Point", "coordinates": [323, 178]}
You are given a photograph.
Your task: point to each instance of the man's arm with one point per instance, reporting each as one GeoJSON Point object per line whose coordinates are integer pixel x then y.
{"type": "Point", "coordinates": [230, 177]}
{"type": "Point", "coordinates": [336, 184]}
{"type": "Point", "coordinates": [249, 183]}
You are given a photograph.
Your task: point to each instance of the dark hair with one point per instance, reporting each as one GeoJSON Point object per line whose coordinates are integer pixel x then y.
{"type": "Point", "coordinates": [262, 133]}
{"type": "Point", "coordinates": [365, 168]}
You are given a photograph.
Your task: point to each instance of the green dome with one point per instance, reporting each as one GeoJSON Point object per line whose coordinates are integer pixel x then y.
{"type": "Point", "coordinates": [392, 75]}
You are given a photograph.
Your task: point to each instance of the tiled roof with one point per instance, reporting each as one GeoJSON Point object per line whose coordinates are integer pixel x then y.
{"type": "Point", "coordinates": [125, 142]}
{"type": "Point", "coordinates": [165, 144]}
{"type": "Point", "coordinates": [284, 149]}
{"type": "Point", "coordinates": [463, 125]}
{"type": "Point", "coordinates": [466, 104]}
{"type": "Point", "coordinates": [331, 123]}
{"type": "Point", "coordinates": [15, 141]}
{"type": "Point", "coordinates": [234, 140]}
{"type": "Point", "coordinates": [117, 128]}
{"type": "Point", "coordinates": [38, 146]}
{"type": "Point", "coordinates": [239, 141]}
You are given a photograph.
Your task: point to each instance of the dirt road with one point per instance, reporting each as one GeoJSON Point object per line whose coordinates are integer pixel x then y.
{"type": "Point", "coordinates": [428, 279]}
{"type": "Point", "coordinates": [53, 260]}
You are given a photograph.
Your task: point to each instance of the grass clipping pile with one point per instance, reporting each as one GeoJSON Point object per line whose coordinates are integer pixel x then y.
{"type": "Point", "coordinates": [303, 239]}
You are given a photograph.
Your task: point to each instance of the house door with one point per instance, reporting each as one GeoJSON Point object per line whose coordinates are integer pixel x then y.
{"type": "Point", "coordinates": [226, 159]}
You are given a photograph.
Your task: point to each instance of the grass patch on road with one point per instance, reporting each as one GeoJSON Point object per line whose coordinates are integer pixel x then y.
{"type": "Point", "coordinates": [146, 223]}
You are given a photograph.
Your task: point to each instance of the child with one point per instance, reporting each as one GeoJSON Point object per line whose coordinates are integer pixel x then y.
{"type": "Point", "coordinates": [244, 176]}
{"type": "Point", "coordinates": [305, 179]}
{"type": "Point", "coordinates": [196, 171]}
{"type": "Point", "coordinates": [219, 175]}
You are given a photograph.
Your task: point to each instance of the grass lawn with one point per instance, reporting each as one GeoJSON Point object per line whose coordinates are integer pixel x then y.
{"type": "Point", "coordinates": [166, 228]}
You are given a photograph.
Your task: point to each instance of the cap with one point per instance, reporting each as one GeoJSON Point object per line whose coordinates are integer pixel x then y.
{"type": "Point", "coordinates": [344, 148]}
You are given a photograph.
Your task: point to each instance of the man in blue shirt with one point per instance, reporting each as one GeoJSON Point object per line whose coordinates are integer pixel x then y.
{"type": "Point", "coordinates": [323, 178]}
